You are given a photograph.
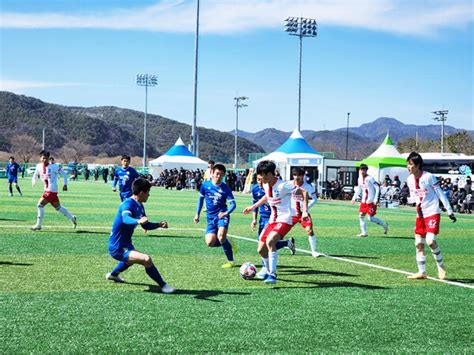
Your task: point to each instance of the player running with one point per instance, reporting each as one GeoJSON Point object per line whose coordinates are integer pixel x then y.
{"type": "Point", "coordinates": [130, 214]}
{"type": "Point", "coordinates": [297, 203]}
{"type": "Point", "coordinates": [425, 189]}
{"type": "Point", "coordinates": [278, 194]}
{"type": "Point", "coordinates": [217, 194]}
{"type": "Point", "coordinates": [12, 174]}
{"type": "Point", "coordinates": [125, 176]}
{"type": "Point", "coordinates": [49, 173]}
{"type": "Point", "coordinates": [265, 211]}
{"type": "Point", "coordinates": [370, 190]}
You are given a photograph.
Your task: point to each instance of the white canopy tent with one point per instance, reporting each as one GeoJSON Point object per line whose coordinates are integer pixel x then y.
{"type": "Point", "coordinates": [178, 156]}
{"type": "Point", "coordinates": [294, 152]}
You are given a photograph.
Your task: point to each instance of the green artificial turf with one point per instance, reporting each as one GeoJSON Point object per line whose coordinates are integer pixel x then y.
{"type": "Point", "coordinates": [54, 298]}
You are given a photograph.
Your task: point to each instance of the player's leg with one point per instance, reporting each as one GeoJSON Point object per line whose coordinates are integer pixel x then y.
{"type": "Point", "coordinates": [226, 247]}
{"type": "Point", "coordinates": [263, 251]}
{"type": "Point", "coordinates": [39, 220]}
{"type": "Point", "coordinates": [18, 188]}
{"type": "Point", "coordinates": [61, 209]}
{"type": "Point", "coordinates": [312, 239]}
{"type": "Point", "coordinates": [271, 241]}
{"type": "Point", "coordinates": [135, 257]}
{"type": "Point", "coordinates": [10, 190]}
{"type": "Point", "coordinates": [372, 212]}
{"type": "Point", "coordinates": [363, 227]}
{"type": "Point", "coordinates": [420, 258]}
{"type": "Point", "coordinates": [436, 252]}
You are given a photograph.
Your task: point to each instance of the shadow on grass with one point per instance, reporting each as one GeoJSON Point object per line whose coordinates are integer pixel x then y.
{"type": "Point", "coordinates": [14, 264]}
{"type": "Point", "coordinates": [353, 256]}
{"type": "Point", "coordinates": [316, 284]}
{"type": "Point", "coordinates": [300, 271]}
{"type": "Point", "coordinates": [13, 219]}
{"type": "Point", "coordinates": [463, 281]}
{"type": "Point", "coordinates": [204, 295]}
{"type": "Point", "coordinates": [408, 238]}
{"type": "Point", "coordinates": [148, 235]}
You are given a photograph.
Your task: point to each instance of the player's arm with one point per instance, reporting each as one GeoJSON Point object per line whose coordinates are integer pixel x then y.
{"type": "Point", "coordinates": [35, 177]}
{"type": "Point", "coordinates": [313, 199]}
{"type": "Point", "coordinates": [128, 219]}
{"type": "Point", "coordinates": [377, 191]}
{"type": "Point", "coordinates": [199, 208]}
{"type": "Point", "coordinates": [232, 204]}
{"type": "Point", "coordinates": [442, 197]}
{"type": "Point", "coordinates": [114, 183]}
{"type": "Point", "coordinates": [63, 173]}
{"type": "Point", "coordinates": [260, 202]}
{"type": "Point", "coordinates": [151, 225]}
{"type": "Point", "coordinates": [357, 192]}
{"type": "Point", "coordinates": [304, 209]}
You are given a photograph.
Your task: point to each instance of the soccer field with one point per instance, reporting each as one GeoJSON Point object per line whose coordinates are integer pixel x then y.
{"type": "Point", "coordinates": [54, 297]}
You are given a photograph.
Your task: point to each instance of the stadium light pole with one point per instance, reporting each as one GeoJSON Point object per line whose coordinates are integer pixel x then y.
{"type": "Point", "coordinates": [347, 134]}
{"type": "Point", "coordinates": [194, 133]}
{"type": "Point", "coordinates": [238, 104]}
{"type": "Point", "coordinates": [146, 80]}
{"type": "Point", "coordinates": [441, 117]}
{"type": "Point", "coordinates": [301, 27]}
{"type": "Point", "coordinates": [43, 137]}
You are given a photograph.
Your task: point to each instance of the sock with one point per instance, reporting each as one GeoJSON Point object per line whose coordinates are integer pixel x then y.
{"type": "Point", "coordinates": [152, 271]}
{"type": "Point", "coordinates": [65, 212]}
{"type": "Point", "coordinates": [312, 242]}
{"type": "Point", "coordinates": [121, 267]}
{"type": "Point", "coordinates": [421, 262]}
{"type": "Point", "coordinates": [438, 257]}
{"type": "Point", "coordinates": [228, 250]}
{"type": "Point", "coordinates": [10, 189]}
{"type": "Point", "coordinates": [376, 221]}
{"type": "Point", "coordinates": [265, 263]}
{"type": "Point", "coordinates": [282, 244]}
{"type": "Point", "coordinates": [18, 189]}
{"type": "Point", "coordinates": [273, 260]}
{"type": "Point", "coordinates": [363, 228]}
{"type": "Point", "coordinates": [216, 244]}
{"type": "Point", "coordinates": [40, 215]}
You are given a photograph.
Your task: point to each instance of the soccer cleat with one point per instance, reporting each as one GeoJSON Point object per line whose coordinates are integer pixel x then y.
{"type": "Point", "coordinates": [261, 275]}
{"type": "Point", "coordinates": [270, 279]}
{"type": "Point", "coordinates": [74, 221]}
{"type": "Point", "coordinates": [362, 235]}
{"type": "Point", "coordinates": [168, 289]}
{"type": "Point", "coordinates": [385, 229]}
{"type": "Point", "coordinates": [228, 265]}
{"type": "Point", "coordinates": [111, 277]}
{"type": "Point", "coordinates": [291, 245]}
{"type": "Point", "coordinates": [36, 227]}
{"type": "Point", "coordinates": [418, 276]}
{"type": "Point", "coordinates": [235, 249]}
{"type": "Point", "coordinates": [441, 273]}
{"type": "Point", "coordinates": [11, 195]}
{"type": "Point", "coordinates": [21, 195]}
{"type": "Point", "coordinates": [315, 254]}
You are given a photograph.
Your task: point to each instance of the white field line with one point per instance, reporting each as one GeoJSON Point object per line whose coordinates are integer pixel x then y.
{"type": "Point", "coordinates": [454, 283]}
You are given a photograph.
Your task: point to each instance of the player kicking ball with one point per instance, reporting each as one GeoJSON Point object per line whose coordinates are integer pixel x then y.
{"type": "Point", "coordinates": [131, 213]}
{"type": "Point", "coordinates": [278, 194]}
{"type": "Point", "coordinates": [48, 173]}
{"type": "Point", "coordinates": [425, 189]}
{"type": "Point", "coordinates": [217, 194]}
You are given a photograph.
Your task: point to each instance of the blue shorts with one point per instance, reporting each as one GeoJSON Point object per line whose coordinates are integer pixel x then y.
{"type": "Point", "coordinates": [13, 179]}
{"type": "Point", "coordinates": [214, 223]}
{"type": "Point", "coordinates": [124, 195]}
{"type": "Point", "coordinates": [262, 224]}
{"type": "Point", "coordinates": [122, 254]}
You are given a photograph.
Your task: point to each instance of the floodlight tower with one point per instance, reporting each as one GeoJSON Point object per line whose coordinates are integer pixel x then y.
{"type": "Point", "coordinates": [146, 80]}
{"type": "Point", "coordinates": [238, 104]}
{"type": "Point", "coordinates": [347, 134]}
{"type": "Point", "coordinates": [441, 117]}
{"type": "Point", "coordinates": [301, 27]}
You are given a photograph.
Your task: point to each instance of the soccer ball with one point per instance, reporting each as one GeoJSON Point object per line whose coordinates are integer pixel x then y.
{"type": "Point", "coordinates": [248, 271]}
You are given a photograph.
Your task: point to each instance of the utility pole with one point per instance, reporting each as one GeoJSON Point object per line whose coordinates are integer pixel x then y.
{"type": "Point", "coordinates": [347, 134]}
{"type": "Point", "coordinates": [441, 117]}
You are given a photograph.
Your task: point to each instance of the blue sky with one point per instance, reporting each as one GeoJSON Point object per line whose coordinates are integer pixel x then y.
{"type": "Point", "coordinates": [373, 58]}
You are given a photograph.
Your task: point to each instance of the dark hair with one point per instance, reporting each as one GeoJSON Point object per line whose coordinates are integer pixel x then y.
{"type": "Point", "coordinates": [51, 158]}
{"type": "Point", "coordinates": [140, 185]}
{"type": "Point", "coordinates": [44, 153]}
{"type": "Point", "coordinates": [297, 171]}
{"type": "Point", "coordinates": [12, 157]}
{"type": "Point", "coordinates": [363, 167]}
{"type": "Point", "coordinates": [416, 159]}
{"type": "Point", "coordinates": [211, 162]}
{"type": "Point", "coordinates": [265, 167]}
{"type": "Point", "coordinates": [219, 167]}
{"type": "Point", "coordinates": [126, 157]}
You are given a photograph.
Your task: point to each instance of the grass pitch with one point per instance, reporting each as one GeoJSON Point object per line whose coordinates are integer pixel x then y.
{"type": "Point", "coordinates": [54, 297]}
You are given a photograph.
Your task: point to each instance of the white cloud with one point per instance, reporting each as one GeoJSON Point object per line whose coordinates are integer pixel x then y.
{"type": "Point", "coordinates": [413, 17]}
{"type": "Point", "coordinates": [14, 85]}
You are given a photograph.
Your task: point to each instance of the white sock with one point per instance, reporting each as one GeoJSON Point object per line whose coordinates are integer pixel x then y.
{"type": "Point", "coordinates": [312, 242]}
{"type": "Point", "coordinates": [376, 221]}
{"type": "Point", "coordinates": [265, 264]}
{"type": "Point", "coordinates": [363, 228]}
{"type": "Point", "coordinates": [65, 212]}
{"type": "Point", "coordinates": [421, 262]}
{"type": "Point", "coordinates": [438, 257]}
{"type": "Point", "coordinates": [273, 260]}
{"type": "Point", "coordinates": [40, 215]}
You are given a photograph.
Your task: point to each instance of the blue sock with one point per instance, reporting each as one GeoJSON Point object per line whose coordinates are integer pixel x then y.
{"type": "Point", "coordinates": [228, 250]}
{"type": "Point", "coordinates": [121, 267]}
{"type": "Point", "coordinates": [152, 271]}
{"type": "Point", "coordinates": [282, 244]}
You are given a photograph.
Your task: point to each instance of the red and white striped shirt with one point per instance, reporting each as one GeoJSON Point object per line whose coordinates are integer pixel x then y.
{"type": "Point", "coordinates": [279, 197]}
{"type": "Point", "coordinates": [49, 175]}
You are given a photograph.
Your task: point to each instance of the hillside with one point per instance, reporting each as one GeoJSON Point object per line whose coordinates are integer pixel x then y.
{"type": "Point", "coordinates": [107, 131]}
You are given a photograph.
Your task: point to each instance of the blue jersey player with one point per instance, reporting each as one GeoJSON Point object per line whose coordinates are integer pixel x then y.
{"type": "Point", "coordinates": [125, 177]}
{"type": "Point", "coordinates": [217, 194]}
{"type": "Point", "coordinates": [12, 174]}
{"type": "Point", "coordinates": [130, 214]}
